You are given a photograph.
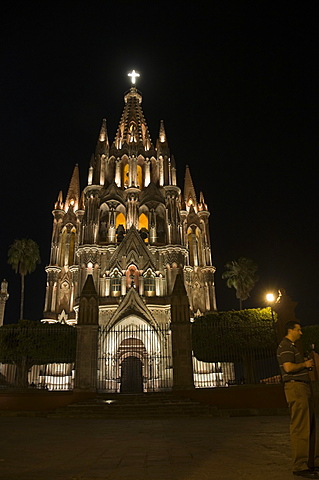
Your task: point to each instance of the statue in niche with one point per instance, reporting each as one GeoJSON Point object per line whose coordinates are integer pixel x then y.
{"type": "Point", "coordinates": [120, 231]}
{"type": "Point", "coordinates": [143, 233]}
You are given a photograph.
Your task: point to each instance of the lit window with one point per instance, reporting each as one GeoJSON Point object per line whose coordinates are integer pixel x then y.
{"type": "Point", "coordinates": [149, 285]}
{"type": "Point", "coordinates": [116, 281]}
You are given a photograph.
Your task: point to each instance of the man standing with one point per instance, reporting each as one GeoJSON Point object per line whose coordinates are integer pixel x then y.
{"type": "Point", "coordinates": [294, 373]}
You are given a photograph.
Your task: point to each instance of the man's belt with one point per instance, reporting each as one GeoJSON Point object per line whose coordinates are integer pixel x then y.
{"type": "Point", "coordinates": [301, 381]}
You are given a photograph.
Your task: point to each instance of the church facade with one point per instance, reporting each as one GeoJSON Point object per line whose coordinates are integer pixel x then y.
{"type": "Point", "coordinates": [133, 230]}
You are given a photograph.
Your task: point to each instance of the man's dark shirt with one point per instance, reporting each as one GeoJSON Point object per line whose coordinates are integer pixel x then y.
{"type": "Point", "coordinates": [288, 352]}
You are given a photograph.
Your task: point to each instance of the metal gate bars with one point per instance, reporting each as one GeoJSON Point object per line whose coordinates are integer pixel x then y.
{"type": "Point", "coordinates": [134, 358]}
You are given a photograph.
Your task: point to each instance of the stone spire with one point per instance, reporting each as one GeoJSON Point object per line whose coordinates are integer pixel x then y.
{"type": "Point", "coordinates": [189, 191]}
{"type": "Point", "coordinates": [132, 132]}
{"type": "Point", "coordinates": [102, 146]}
{"type": "Point", "coordinates": [162, 134]}
{"type": "Point", "coordinates": [161, 144]}
{"type": "Point", "coordinates": [59, 203]}
{"type": "Point", "coordinates": [202, 205]}
{"type": "Point", "coordinates": [73, 195]}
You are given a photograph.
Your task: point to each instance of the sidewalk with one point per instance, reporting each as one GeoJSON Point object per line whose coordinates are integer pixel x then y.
{"type": "Point", "coordinates": [195, 448]}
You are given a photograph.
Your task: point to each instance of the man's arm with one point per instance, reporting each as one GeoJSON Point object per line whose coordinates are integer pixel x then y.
{"type": "Point", "coordinates": [295, 367]}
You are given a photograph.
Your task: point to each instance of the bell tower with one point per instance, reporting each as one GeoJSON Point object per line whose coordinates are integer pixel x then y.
{"type": "Point", "coordinates": [131, 192]}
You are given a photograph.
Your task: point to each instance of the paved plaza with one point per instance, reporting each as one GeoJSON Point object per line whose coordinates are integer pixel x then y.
{"type": "Point", "coordinates": [195, 448]}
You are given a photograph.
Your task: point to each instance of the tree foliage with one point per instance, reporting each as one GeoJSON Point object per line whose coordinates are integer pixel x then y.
{"type": "Point", "coordinates": [241, 275]}
{"type": "Point", "coordinates": [310, 338]}
{"type": "Point", "coordinates": [23, 256]}
{"type": "Point", "coordinates": [31, 343]}
{"type": "Point", "coordinates": [235, 336]}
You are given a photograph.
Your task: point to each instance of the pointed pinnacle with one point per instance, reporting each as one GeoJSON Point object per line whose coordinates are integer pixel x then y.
{"type": "Point", "coordinates": [103, 133]}
{"type": "Point", "coordinates": [189, 190]}
{"type": "Point", "coordinates": [162, 133]}
{"type": "Point", "coordinates": [73, 195]}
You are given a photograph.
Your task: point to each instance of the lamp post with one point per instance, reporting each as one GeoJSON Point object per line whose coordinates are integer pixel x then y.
{"type": "Point", "coordinates": [270, 297]}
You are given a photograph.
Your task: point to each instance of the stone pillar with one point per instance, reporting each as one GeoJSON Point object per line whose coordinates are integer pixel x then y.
{"type": "Point", "coordinates": [183, 378]}
{"type": "Point", "coordinates": [87, 339]}
{"type": "Point", "coordinates": [3, 298]}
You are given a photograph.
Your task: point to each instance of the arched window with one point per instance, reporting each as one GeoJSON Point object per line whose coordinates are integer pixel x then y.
{"type": "Point", "coordinates": [149, 284]}
{"type": "Point", "coordinates": [199, 238]}
{"type": "Point", "coordinates": [143, 221]}
{"type": "Point", "coordinates": [116, 281]}
{"type": "Point", "coordinates": [195, 246]}
{"type": "Point", "coordinates": [191, 246]}
{"type": "Point", "coordinates": [63, 247]}
{"type": "Point", "coordinates": [120, 220]}
{"type": "Point", "coordinates": [126, 176]}
{"type": "Point", "coordinates": [132, 277]}
{"type": "Point", "coordinates": [143, 226]}
{"type": "Point", "coordinates": [139, 176]}
{"type": "Point", "coordinates": [72, 247]}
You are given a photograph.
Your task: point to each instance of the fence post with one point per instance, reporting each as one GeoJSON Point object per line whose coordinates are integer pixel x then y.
{"type": "Point", "coordinates": [183, 378]}
{"type": "Point", "coordinates": [87, 338]}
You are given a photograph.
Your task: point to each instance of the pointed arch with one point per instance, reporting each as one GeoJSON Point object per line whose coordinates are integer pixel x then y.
{"type": "Point", "coordinates": [126, 175]}
{"type": "Point", "coordinates": [72, 246]}
{"type": "Point", "coordinates": [149, 283]}
{"type": "Point", "coordinates": [139, 176]}
{"type": "Point", "coordinates": [195, 246]}
{"type": "Point", "coordinates": [120, 220]}
{"type": "Point", "coordinates": [115, 283]}
{"type": "Point", "coordinates": [63, 242]}
{"type": "Point", "coordinates": [132, 277]}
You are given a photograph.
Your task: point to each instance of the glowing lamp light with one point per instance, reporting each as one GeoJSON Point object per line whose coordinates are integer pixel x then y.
{"type": "Point", "coordinates": [270, 297]}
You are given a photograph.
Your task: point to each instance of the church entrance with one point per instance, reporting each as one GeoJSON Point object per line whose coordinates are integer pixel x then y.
{"type": "Point", "coordinates": [134, 357]}
{"type": "Point", "coordinates": [131, 375]}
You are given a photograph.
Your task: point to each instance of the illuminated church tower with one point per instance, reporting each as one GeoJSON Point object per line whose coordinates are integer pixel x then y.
{"type": "Point", "coordinates": [133, 229]}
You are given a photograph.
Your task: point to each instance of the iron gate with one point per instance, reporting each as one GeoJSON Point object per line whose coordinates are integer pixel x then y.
{"type": "Point", "coordinates": [134, 358]}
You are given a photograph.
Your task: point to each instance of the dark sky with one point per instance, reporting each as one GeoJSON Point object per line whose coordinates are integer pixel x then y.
{"type": "Point", "coordinates": [237, 89]}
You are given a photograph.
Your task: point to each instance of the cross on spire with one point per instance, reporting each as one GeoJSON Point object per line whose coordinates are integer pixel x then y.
{"type": "Point", "coordinates": [133, 76]}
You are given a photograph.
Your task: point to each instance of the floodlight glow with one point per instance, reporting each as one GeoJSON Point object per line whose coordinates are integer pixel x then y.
{"type": "Point", "coordinates": [270, 297]}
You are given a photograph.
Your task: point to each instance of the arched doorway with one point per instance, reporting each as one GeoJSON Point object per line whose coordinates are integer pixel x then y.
{"type": "Point", "coordinates": [149, 370]}
{"type": "Point", "coordinates": [131, 375]}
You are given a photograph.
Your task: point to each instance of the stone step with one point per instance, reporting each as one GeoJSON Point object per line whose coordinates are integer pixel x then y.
{"type": "Point", "coordinates": [131, 412]}
{"type": "Point", "coordinates": [142, 405]}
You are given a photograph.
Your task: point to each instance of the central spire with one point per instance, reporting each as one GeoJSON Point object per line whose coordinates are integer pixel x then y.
{"type": "Point", "coordinates": [132, 134]}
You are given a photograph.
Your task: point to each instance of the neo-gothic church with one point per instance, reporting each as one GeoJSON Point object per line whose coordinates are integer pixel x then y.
{"type": "Point", "coordinates": [132, 229]}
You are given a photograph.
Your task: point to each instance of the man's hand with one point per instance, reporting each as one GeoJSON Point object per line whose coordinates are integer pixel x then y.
{"type": "Point", "coordinates": [309, 363]}
{"type": "Point", "coordinates": [295, 367]}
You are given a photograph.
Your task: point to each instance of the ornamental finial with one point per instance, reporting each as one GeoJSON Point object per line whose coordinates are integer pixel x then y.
{"type": "Point", "coordinates": [133, 74]}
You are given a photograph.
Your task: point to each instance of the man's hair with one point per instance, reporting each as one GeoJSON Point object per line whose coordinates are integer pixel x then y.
{"type": "Point", "coordinates": [290, 325]}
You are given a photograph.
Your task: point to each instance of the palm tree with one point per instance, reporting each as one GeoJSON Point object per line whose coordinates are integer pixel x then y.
{"type": "Point", "coordinates": [242, 276]}
{"type": "Point", "coordinates": [23, 255]}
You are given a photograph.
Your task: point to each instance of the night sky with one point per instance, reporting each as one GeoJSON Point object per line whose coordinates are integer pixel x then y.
{"type": "Point", "coordinates": [236, 87]}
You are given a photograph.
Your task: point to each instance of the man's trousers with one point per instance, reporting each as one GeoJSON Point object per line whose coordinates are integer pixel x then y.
{"type": "Point", "coordinates": [303, 425]}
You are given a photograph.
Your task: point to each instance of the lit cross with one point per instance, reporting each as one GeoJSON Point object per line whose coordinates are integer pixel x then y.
{"type": "Point", "coordinates": [133, 76]}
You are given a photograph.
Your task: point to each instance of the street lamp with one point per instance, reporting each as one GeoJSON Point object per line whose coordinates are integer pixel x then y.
{"type": "Point", "coordinates": [270, 297]}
